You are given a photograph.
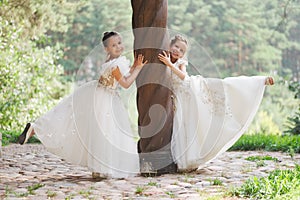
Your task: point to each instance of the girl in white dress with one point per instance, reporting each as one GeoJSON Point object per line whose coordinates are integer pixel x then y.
{"type": "Point", "coordinates": [91, 127]}
{"type": "Point", "coordinates": [210, 114]}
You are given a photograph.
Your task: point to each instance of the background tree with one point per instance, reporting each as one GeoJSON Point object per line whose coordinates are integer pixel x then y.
{"type": "Point", "coordinates": [291, 54]}
{"type": "Point", "coordinates": [248, 38]}
{"type": "Point", "coordinates": [227, 38]}
{"type": "Point", "coordinates": [236, 34]}
{"type": "Point", "coordinates": [29, 75]}
{"type": "Point", "coordinates": [90, 21]}
{"type": "Point", "coordinates": [293, 121]}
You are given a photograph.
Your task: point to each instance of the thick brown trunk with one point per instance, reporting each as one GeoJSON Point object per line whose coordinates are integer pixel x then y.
{"type": "Point", "coordinates": [155, 122]}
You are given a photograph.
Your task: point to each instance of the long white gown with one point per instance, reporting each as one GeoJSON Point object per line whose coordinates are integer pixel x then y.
{"type": "Point", "coordinates": [211, 115]}
{"type": "Point", "coordinates": [91, 127]}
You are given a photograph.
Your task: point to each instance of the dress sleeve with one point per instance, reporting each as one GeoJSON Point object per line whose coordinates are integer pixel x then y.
{"type": "Point", "coordinates": [183, 62]}
{"type": "Point", "coordinates": [123, 64]}
{"type": "Point", "coordinates": [186, 78]}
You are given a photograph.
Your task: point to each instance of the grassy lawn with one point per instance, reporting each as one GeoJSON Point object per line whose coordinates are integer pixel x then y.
{"type": "Point", "coordinates": [267, 143]}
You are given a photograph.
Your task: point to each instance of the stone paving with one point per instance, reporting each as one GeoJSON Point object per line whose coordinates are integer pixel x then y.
{"type": "Point", "coordinates": [30, 172]}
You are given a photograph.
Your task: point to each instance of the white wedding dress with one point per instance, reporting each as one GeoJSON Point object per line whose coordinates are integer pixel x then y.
{"type": "Point", "coordinates": [211, 115]}
{"type": "Point", "coordinates": [91, 127]}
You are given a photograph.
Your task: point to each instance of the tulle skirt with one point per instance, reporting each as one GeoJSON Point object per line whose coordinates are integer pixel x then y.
{"type": "Point", "coordinates": [91, 128]}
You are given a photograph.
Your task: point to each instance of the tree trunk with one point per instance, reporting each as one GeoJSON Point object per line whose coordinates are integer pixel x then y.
{"type": "Point", "coordinates": [154, 96]}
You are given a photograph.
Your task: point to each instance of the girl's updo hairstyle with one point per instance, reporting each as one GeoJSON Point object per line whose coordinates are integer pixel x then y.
{"type": "Point", "coordinates": [178, 38]}
{"type": "Point", "coordinates": [107, 35]}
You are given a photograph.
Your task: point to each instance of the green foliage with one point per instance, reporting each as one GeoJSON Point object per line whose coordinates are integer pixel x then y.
{"type": "Point", "coordinates": [256, 37]}
{"type": "Point", "coordinates": [152, 183]}
{"type": "Point", "coordinates": [277, 104]}
{"type": "Point", "coordinates": [9, 137]}
{"type": "Point", "coordinates": [293, 123]}
{"type": "Point", "coordinates": [30, 191]}
{"type": "Point", "coordinates": [29, 77]}
{"type": "Point", "coordinates": [264, 124]}
{"type": "Point", "coordinates": [171, 194]}
{"type": "Point", "coordinates": [260, 163]}
{"type": "Point", "coordinates": [267, 143]}
{"type": "Point", "coordinates": [240, 36]}
{"type": "Point", "coordinates": [295, 88]}
{"type": "Point", "coordinates": [278, 184]}
{"type": "Point", "coordinates": [215, 181]}
{"type": "Point", "coordinates": [34, 187]}
{"type": "Point", "coordinates": [139, 190]}
{"type": "Point", "coordinates": [37, 17]}
{"type": "Point", "coordinates": [249, 38]}
{"type": "Point", "coordinates": [90, 21]}
{"type": "Point", "coordinates": [51, 194]}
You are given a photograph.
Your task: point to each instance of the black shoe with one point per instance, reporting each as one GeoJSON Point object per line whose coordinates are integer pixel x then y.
{"type": "Point", "coordinates": [150, 174]}
{"type": "Point", "coordinates": [170, 169]}
{"type": "Point", "coordinates": [23, 138]}
{"type": "Point", "coordinates": [98, 177]}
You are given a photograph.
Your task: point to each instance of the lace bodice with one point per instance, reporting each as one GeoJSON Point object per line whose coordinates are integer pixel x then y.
{"type": "Point", "coordinates": [106, 78]}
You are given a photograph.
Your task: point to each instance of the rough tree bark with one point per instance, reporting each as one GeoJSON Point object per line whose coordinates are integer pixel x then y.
{"type": "Point", "coordinates": [154, 97]}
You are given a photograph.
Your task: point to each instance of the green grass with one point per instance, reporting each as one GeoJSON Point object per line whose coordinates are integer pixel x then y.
{"type": "Point", "coordinates": [139, 190]}
{"type": "Point", "coordinates": [30, 190]}
{"type": "Point", "coordinates": [216, 182]}
{"type": "Point", "coordinates": [280, 184]}
{"type": "Point", "coordinates": [34, 187]}
{"type": "Point", "coordinates": [265, 142]}
{"type": "Point", "coordinates": [290, 144]}
{"type": "Point", "coordinates": [151, 183]}
{"type": "Point", "coordinates": [171, 194]}
{"type": "Point", "coordinates": [261, 158]}
{"type": "Point", "coordinates": [51, 194]}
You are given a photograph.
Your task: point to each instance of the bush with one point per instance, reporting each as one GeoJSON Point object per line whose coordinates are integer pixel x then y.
{"type": "Point", "coordinates": [293, 123]}
{"type": "Point", "coordinates": [277, 104]}
{"type": "Point", "coordinates": [29, 78]}
{"type": "Point", "coordinates": [264, 123]}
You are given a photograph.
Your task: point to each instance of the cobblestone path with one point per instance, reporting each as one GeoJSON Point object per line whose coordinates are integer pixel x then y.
{"type": "Point", "coordinates": [30, 172]}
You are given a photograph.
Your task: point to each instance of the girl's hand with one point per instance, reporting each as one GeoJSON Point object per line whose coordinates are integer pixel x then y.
{"type": "Point", "coordinates": [269, 81]}
{"type": "Point", "coordinates": [165, 58]}
{"type": "Point", "coordinates": [134, 61]}
{"type": "Point", "coordinates": [139, 61]}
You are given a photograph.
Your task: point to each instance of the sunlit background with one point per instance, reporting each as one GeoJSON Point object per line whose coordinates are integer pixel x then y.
{"type": "Point", "coordinates": [45, 44]}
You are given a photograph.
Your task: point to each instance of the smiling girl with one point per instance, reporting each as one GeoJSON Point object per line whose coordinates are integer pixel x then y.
{"type": "Point", "coordinates": [210, 114]}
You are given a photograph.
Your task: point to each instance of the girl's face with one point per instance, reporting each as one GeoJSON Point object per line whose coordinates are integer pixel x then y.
{"type": "Point", "coordinates": [178, 49]}
{"type": "Point", "coordinates": [114, 46]}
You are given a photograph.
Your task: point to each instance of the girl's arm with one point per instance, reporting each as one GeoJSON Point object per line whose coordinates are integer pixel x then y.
{"type": "Point", "coordinates": [132, 69]}
{"type": "Point", "coordinates": [181, 72]}
{"type": "Point", "coordinates": [133, 65]}
{"type": "Point", "coordinates": [127, 81]}
{"type": "Point", "coordinates": [165, 58]}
